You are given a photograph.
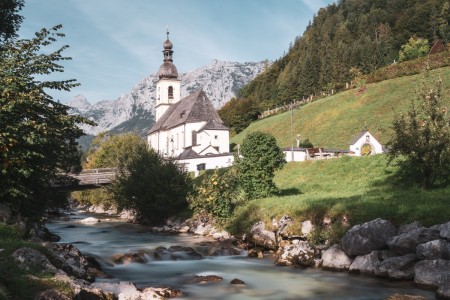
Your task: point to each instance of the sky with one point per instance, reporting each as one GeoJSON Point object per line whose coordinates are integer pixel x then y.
{"type": "Point", "coordinates": [114, 44]}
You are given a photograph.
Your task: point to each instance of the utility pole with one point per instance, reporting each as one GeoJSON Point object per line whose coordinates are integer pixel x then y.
{"type": "Point", "coordinates": [292, 132]}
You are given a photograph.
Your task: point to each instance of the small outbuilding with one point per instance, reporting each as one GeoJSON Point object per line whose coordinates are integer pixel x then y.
{"type": "Point", "coordinates": [366, 144]}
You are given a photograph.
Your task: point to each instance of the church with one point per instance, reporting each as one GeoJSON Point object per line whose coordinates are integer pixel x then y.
{"type": "Point", "coordinates": [188, 130]}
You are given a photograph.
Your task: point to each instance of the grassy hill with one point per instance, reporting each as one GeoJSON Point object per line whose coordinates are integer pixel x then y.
{"type": "Point", "coordinates": [334, 121]}
{"type": "Point", "coordinates": [358, 189]}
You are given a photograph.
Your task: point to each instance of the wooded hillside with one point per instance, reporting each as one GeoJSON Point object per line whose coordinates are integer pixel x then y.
{"type": "Point", "coordinates": [362, 35]}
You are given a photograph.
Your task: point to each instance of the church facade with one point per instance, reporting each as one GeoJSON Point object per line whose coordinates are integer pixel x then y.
{"type": "Point", "coordinates": [188, 129]}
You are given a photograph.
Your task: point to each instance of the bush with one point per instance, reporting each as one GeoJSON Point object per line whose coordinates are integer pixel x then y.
{"type": "Point", "coordinates": [153, 186]}
{"type": "Point", "coordinates": [261, 156]}
{"type": "Point", "coordinates": [216, 196]}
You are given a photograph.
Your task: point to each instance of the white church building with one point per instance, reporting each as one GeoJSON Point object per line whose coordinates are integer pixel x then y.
{"type": "Point", "coordinates": [188, 129]}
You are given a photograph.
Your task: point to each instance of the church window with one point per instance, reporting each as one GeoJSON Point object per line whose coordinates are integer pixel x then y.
{"type": "Point", "coordinates": [178, 141]}
{"type": "Point", "coordinates": [194, 137]}
{"type": "Point", "coordinates": [170, 92]}
{"type": "Point", "coordinates": [367, 138]}
{"type": "Point", "coordinates": [216, 137]}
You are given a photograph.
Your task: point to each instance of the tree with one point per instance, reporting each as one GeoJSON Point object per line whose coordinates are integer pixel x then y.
{"type": "Point", "coordinates": [156, 188]}
{"type": "Point", "coordinates": [413, 49]}
{"type": "Point", "coordinates": [108, 151]}
{"type": "Point", "coordinates": [261, 157]}
{"type": "Point", "coordinates": [37, 135]}
{"type": "Point", "coordinates": [112, 151]}
{"type": "Point", "coordinates": [10, 19]}
{"type": "Point", "coordinates": [421, 140]}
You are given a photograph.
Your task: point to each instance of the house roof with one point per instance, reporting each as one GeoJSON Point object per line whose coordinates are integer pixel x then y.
{"type": "Point", "coordinates": [194, 108]}
{"type": "Point", "coordinates": [359, 136]}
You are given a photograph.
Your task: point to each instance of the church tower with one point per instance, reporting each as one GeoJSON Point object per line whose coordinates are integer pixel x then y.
{"type": "Point", "coordinates": [168, 87]}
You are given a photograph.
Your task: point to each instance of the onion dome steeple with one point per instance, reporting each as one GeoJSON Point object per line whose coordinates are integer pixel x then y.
{"type": "Point", "coordinates": [168, 69]}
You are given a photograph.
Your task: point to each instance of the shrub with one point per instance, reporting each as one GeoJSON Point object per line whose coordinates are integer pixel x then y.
{"type": "Point", "coordinates": [261, 156]}
{"type": "Point", "coordinates": [216, 196]}
{"type": "Point", "coordinates": [153, 186]}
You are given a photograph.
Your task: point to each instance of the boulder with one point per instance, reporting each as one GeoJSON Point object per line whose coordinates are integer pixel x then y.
{"type": "Point", "coordinates": [5, 214]}
{"type": "Point", "coordinates": [203, 230]}
{"type": "Point", "coordinates": [115, 288]}
{"type": "Point", "coordinates": [89, 220]}
{"type": "Point", "coordinates": [366, 264]}
{"type": "Point", "coordinates": [255, 253]}
{"type": "Point", "coordinates": [71, 261]}
{"type": "Point", "coordinates": [205, 279]}
{"type": "Point", "coordinates": [437, 249]}
{"type": "Point", "coordinates": [93, 294]}
{"type": "Point", "coordinates": [407, 242]}
{"type": "Point", "coordinates": [124, 259]}
{"type": "Point", "coordinates": [444, 230]}
{"type": "Point", "coordinates": [282, 225]}
{"type": "Point", "coordinates": [32, 259]}
{"type": "Point", "coordinates": [307, 227]}
{"type": "Point", "coordinates": [409, 227]}
{"type": "Point", "coordinates": [397, 267]}
{"type": "Point", "coordinates": [443, 291]}
{"type": "Point", "coordinates": [365, 238]}
{"type": "Point", "coordinates": [430, 273]}
{"type": "Point", "coordinates": [335, 259]}
{"type": "Point", "coordinates": [164, 292]}
{"type": "Point", "coordinates": [262, 237]}
{"type": "Point", "coordinates": [237, 281]}
{"type": "Point", "coordinates": [405, 297]}
{"type": "Point", "coordinates": [297, 253]}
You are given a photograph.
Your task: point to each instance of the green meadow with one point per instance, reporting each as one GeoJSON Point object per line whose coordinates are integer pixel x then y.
{"type": "Point", "coordinates": [355, 189]}
{"type": "Point", "coordinates": [334, 121]}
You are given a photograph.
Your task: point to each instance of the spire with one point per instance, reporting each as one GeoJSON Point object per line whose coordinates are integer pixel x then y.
{"type": "Point", "coordinates": [168, 69]}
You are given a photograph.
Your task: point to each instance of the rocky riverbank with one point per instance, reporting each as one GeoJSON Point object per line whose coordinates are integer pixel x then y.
{"type": "Point", "coordinates": [376, 248]}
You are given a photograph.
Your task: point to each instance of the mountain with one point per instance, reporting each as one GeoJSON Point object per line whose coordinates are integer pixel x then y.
{"type": "Point", "coordinates": [135, 110]}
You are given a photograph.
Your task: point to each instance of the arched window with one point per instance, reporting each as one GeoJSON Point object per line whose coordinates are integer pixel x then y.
{"type": "Point", "coordinates": [170, 92]}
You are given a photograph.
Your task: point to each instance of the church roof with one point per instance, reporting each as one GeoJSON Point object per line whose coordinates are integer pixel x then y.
{"type": "Point", "coordinates": [213, 124]}
{"type": "Point", "coordinates": [194, 108]}
{"type": "Point", "coordinates": [188, 153]}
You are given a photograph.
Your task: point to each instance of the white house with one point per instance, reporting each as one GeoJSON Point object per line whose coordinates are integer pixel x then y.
{"type": "Point", "coordinates": [189, 129]}
{"type": "Point", "coordinates": [366, 144]}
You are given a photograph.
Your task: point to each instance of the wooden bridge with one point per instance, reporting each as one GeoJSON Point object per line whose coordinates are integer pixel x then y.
{"type": "Point", "coordinates": [87, 179]}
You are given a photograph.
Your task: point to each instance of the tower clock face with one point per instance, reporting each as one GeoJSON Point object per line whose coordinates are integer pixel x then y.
{"type": "Point", "coordinates": [366, 149]}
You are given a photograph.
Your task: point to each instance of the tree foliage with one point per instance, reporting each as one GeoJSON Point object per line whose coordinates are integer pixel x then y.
{"type": "Point", "coordinates": [111, 151]}
{"type": "Point", "coordinates": [261, 157]}
{"type": "Point", "coordinates": [415, 48]}
{"type": "Point", "coordinates": [156, 188]}
{"type": "Point", "coordinates": [37, 135]}
{"type": "Point", "coordinates": [10, 19]}
{"type": "Point", "coordinates": [421, 139]}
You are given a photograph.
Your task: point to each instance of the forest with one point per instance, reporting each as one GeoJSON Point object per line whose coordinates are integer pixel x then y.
{"type": "Point", "coordinates": [344, 40]}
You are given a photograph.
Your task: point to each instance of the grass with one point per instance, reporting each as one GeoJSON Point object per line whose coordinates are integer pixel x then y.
{"type": "Point", "coordinates": [334, 121]}
{"type": "Point", "coordinates": [357, 189]}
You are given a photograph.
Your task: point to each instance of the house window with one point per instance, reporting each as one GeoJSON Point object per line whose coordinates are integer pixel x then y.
{"type": "Point", "coordinates": [170, 92]}
{"type": "Point", "coordinates": [194, 137]}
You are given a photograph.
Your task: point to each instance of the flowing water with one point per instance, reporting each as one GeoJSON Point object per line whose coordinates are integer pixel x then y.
{"type": "Point", "coordinates": [263, 280]}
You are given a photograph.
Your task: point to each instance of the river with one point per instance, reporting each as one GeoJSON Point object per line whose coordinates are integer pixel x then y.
{"type": "Point", "coordinates": [263, 279]}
